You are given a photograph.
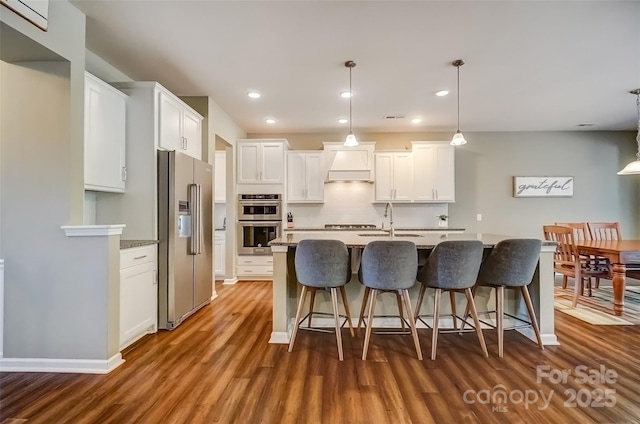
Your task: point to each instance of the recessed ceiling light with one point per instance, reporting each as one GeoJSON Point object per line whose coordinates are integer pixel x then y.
{"type": "Point", "coordinates": [270, 121]}
{"type": "Point", "coordinates": [345, 94]}
{"type": "Point", "coordinates": [253, 94]}
{"type": "Point", "coordinates": [442, 93]}
{"type": "Point", "coordinates": [416, 120]}
{"type": "Point", "coordinates": [343, 121]}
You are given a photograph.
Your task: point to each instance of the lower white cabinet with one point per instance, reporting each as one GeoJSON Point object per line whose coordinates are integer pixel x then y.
{"type": "Point", "coordinates": [138, 293]}
{"type": "Point", "coordinates": [259, 267]}
{"type": "Point", "coordinates": [219, 253]}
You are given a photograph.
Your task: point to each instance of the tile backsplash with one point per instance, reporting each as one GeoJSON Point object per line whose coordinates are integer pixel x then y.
{"type": "Point", "coordinates": [351, 203]}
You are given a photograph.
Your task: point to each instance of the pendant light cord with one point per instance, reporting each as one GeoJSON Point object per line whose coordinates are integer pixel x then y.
{"type": "Point", "coordinates": [638, 129]}
{"type": "Point", "coordinates": [351, 95]}
{"type": "Point", "coordinates": [458, 98]}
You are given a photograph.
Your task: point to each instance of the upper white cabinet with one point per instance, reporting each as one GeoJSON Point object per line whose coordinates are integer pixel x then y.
{"type": "Point", "coordinates": [305, 177]}
{"type": "Point", "coordinates": [394, 176]}
{"type": "Point", "coordinates": [104, 136]}
{"type": "Point", "coordinates": [261, 161]}
{"type": "Point", "coordinates": [180, 126]}
{"type": "Point", "coordinates": [434, 172]}
{"type": "Point", "coordinates": [220, 169]}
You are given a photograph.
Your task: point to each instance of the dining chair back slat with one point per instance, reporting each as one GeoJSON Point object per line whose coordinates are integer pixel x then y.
{"type": "Point", "coordinates": [604, 230]}
{"type": "Point", "coordinates": [580, 230]}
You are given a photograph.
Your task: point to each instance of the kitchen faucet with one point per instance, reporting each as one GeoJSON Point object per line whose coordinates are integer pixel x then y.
{"type": "Point", "coordinates": [388, 207]}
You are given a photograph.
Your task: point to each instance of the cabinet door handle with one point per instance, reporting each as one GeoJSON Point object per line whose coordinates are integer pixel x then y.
{"type": "Point", "coordinates": [437, 195]}
{"type": "Point", "coordinates": [124, 173]}
{"type": "Point", "coordinates": [155, 277]}
{"type": "Point", "coordinates": [186, 143]}
{"type": "Point", "coordinates": [139, 257]}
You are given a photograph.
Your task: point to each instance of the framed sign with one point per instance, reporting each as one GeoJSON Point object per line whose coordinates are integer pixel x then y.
{"type": "Point", "coordinates": [542, 186]}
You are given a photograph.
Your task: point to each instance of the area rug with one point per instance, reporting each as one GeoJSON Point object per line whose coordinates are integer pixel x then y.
{"type": "Point", "coordinates": [598, 309]}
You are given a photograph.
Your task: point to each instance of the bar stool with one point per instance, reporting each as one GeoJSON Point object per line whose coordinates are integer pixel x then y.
{"type": "Point", "coordinates": [322, 265]}
{"type": "Point", "coordinates": [389, 266]}
{"type": "Point", "coordinates": [511, 265]}
{"type": "Point", "coordinates": [452, 266]}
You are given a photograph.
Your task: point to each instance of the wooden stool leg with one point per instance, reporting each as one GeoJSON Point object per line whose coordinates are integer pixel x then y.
{"type": "Point", "coordinates": [476, 321]}
{"type": "Point", "coordinates": [564, 282]}
{"type": "Point", "coordinates": [365, 298]}
{"type": "Point", "coordinates": [336, 317]}
{"type": "Point", "coordinates": [303, 294]}
{"type": "Point", "coordinates": [312, 302]}
{"type": "Point", "coordinates": [452, 299]}
{"type": "Point", "coordinates": [399, 302]}
{"type": "Point", "coordinates": [412, 323]}
{"type": "Point", "coordinates": [500, 318]}
{"type": "Point", "coordinates": [466, 309]}
{"type": "Point", "coordinates": [436, 316]}
{"type": "Point", "coordinates": [345, 302]}
{"type": "Point", "coordinates": [372, 305]}
{"type": "Point", "coordinates": [532, 314]}
{"type": "Point", "coordinates": [423, 289]}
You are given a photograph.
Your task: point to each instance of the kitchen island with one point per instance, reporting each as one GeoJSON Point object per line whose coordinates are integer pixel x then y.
{"type": "Point", "coordinates": [286, 288]}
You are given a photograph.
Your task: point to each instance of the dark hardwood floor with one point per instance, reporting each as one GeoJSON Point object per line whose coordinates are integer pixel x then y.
{"type": "Point", "coordinates": [219, 367]}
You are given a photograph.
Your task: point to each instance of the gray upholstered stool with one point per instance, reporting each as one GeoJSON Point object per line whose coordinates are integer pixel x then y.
{"type": "Point", "coordinates": [389, 266]}
{"type": "Point", "coordinates": [452, 266]}
{"type": "Point", "coordinates": [511, 264]}
{"type": "Point", "coordinates": [322, 265]}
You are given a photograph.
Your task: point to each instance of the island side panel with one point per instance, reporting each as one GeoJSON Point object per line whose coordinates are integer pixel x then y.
{"type": "Point", "coordinates": [280, 295]}
{"type": "Point", "coordinates": [541, 292]}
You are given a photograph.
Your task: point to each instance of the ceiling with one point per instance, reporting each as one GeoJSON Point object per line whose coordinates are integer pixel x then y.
{"type": "Point", "coordinates": [530, 66]}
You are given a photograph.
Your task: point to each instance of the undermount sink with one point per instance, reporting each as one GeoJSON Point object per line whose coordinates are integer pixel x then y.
{"type": "Point", "coordinates": [387, 235]}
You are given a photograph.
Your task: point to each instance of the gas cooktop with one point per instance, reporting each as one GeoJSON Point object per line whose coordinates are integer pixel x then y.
{"type": "Point", "coordinates": [349, 226]}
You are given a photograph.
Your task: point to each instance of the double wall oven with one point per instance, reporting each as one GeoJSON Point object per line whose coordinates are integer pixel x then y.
{"type": "Point", "coordinates": [259, 222]}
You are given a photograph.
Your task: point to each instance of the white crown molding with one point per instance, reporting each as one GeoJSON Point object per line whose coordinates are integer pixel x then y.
{"type": "Point", "coordinates": [83, 366]}
{"type": "Point", "coordinates": [92, 230]}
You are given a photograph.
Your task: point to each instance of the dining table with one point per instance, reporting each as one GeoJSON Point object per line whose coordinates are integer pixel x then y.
{"type": "Point", "coordinates": [623, 256]}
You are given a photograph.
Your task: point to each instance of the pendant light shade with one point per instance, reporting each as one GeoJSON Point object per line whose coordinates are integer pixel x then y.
{"type": "Point", "coordinates": [458, 139]}
{"type": "Point", "coordinates": [634, 167]}
{"type": "Point", "coordinates": [351, 139]}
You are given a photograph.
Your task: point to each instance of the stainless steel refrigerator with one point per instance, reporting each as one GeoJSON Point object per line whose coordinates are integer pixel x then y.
{"type": "Point", "coordinates": [185, 272]}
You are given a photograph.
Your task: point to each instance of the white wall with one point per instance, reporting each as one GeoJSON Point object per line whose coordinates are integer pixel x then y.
{"type": "Point", "coordinates": [484, 171]}
{"type": "Point", "coordinates": [59, 297]}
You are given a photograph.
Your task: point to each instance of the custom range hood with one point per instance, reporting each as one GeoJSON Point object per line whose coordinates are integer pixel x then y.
{"type": "Point", "coordinates": [349, 163]}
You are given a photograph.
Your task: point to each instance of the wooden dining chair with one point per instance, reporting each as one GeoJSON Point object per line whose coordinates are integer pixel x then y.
{"type": "Point", "coordinates": [580, 232]}
{"type": "Point", "coordinates": [604, 231]}
{"type": "Point", "coordinates": [564, 258]}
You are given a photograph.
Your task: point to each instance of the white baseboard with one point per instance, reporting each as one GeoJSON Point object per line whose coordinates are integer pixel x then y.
{"type": "Point", "coordinates": [214, 295]}
{"type": "Point", "coordinates": [548, 339]}
{"type": "Point", "coordinates": [82, 366]}
{"type": "Point", "coordinates": [230, 281]}
{"type": "Point", "coordinates": [279, 337]}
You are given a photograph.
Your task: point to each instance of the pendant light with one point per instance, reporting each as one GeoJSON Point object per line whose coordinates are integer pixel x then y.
{"type": "Point", "coordinates": [458, 138]}
{"type": "Point", "coordinates": [351, 140]}
{"type": "Point", "coordinates": [634, 167]}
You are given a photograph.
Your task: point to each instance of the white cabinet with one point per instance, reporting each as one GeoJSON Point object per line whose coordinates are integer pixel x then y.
{"type": "Point", "coordinates": [104, 136]}
{"type": "Point", "coordinates": [180, 127]}
{"type": "Point", "coordinates": [219, 253]}
{"type": "Point", "coordinates": [305, 182]}
{"type": "Point", "coordinates": [220, 170]}
{"type": "Point", "coordinates": [434, 172]}
{"type": "Point", "coordinates": [138, 293]}
{"type": "Point", "coordinates": [393, 176]}
{"type": "Point", "coordinates": [261, 161]}
{"type": "Point", "coordinates": [146, 130]}
{"type": "Point", "coordinates": [259, 267]}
